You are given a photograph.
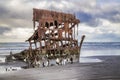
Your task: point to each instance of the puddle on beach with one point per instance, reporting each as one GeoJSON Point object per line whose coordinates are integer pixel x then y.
{"type": "Point", "coordinates": [82, 60]}
{"type": "Point", "coordinates": [89, 60]}
{"type": "Point", "coordinates": [10, 66]}
{"type": "Point", "coordinates": [8, 69]}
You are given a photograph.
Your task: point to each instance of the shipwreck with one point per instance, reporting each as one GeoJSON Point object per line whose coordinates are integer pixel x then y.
{"type": "Point", "coordinates": [55, 35]}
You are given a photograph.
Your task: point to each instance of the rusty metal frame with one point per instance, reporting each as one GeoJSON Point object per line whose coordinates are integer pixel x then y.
{"type": "Point", "coordinates": [56, 30]}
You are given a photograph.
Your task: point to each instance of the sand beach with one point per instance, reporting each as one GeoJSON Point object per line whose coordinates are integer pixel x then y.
{"type": "Point", "coordinates": [108, 69]}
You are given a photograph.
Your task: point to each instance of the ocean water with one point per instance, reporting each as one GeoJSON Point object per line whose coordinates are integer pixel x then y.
{"type": "Point", "coordinates": [100, 49]}
{"type": "Point", "coordinates": [88, 49]}
{"type": "Point", "coordinates": [5, 48]}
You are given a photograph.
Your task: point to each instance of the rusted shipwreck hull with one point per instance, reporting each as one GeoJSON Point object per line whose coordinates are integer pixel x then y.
{"type": "Point", "coordinates": [55, 35]}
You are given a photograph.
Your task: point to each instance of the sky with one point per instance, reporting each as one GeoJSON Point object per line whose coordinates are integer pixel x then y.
{"type": "Point", "coordinates": [100, 19]}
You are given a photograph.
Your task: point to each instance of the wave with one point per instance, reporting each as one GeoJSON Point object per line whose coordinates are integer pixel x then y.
{"type": "Point", "coordinates": [16, 47]}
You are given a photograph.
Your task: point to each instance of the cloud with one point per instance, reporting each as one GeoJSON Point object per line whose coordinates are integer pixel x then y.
{"type": "Point", "coordinates": [109, 10]}
{"type": "Point", "coordinates": [18, 34]}
{"type": "Point", "coordinates": [106, 31]}
{"type": "Point", "coordinates": [88, 19]}
{"type": "Point", "coordinates": [99, 18]}
{"type": "Point", "coordinates": [3, 29]}
{"type": "Point", "coordinates": [21, 10]}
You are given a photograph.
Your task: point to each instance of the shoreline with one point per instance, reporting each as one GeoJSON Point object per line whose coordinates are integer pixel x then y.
{"type": "Point", "coordinates": [108, 69]}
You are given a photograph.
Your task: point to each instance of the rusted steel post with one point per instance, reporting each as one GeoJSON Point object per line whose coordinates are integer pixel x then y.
{"type": "Point", "coordinates": [77, 29]}
{"type": "Point", "coordinates": [74, 32]}
{"type": "Point", "coordinates": [82, 39]}
{"type": "Point", "coordinates": [40, 45]}
{"type": "Point", "coordinates": [30, 49]}
{"type": "Point", "coordinates": [35, 44]}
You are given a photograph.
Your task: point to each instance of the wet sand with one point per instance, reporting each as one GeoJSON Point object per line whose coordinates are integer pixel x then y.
{"type": "Point", "coordinates": [109, 69]}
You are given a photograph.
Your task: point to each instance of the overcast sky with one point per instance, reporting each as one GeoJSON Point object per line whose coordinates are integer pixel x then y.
{"type": "Point", "coordinates": [100, 19]}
